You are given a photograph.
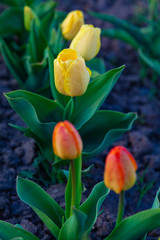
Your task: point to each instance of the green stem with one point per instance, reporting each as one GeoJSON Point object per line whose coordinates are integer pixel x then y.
{"type": "Point", "coordinates": [73, 185]}
{"type": "Point", "coordinates": [120, 208]}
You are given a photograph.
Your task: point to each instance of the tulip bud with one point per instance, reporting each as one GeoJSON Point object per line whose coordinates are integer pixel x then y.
{"type": "Point", "coordinates": [29, 15]}
{"type": "Point", "coordinates": [120, 169]}
{"type": "Point", "coordinates": [72, 24]}
{"type": "Point", "coordinates": [67, 143]}
{"type": "Point", "coordinates": [87, 42]}
{"type": "Point", "coordinates": [70, 73]}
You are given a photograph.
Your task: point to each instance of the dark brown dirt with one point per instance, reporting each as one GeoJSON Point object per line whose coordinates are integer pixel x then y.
{"type": "Point", "coordinates": [129, 95]}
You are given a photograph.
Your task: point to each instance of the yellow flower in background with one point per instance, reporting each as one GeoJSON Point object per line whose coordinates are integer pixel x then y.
{"type": "Point", "coordinates": [72, 24]}
{"type": "Point", "coordinates": [29, 15]}
{"type": "Point", "coordinates": [87, 42]}
{"type": "Point", "coordinates": [70, 73]}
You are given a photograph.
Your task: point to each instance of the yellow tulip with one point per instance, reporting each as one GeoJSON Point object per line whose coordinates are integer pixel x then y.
{"type": "Point", "coordinates": [29, 15]}
{"type": "Point", "coordinates": [70, 73]}
{"type": "Point", "coordinates": [87, 42]}
{"type": "Point", "coordinates": [72, 24]}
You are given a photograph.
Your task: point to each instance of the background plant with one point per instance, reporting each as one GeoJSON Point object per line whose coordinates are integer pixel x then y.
{"type": "Point", "coordinates": [24, 52]}
{"type": "Point", "coordinates": [144, 38]}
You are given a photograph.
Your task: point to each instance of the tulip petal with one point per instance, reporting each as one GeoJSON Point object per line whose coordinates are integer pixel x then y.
{"type": "Point", "coordinates": [67, 143]}
{"type": "Point", "coordinates": [72, 24]}
{"type": "Point", "coordinates": [87, 42]}
{"type": "Point", "coordinates": [113, 174]}
{"type": "Point", "coordinates": [128, 170]}
{"type": "Point", "coordinates": [59, 76]}
{"type": "Point", "coordinates": [76, 78]}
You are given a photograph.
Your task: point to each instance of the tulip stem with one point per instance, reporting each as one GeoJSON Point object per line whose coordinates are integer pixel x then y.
{"type": "Point", "coordinates": [73, 185]}
{"type": "Point", "coordinates": [120, 208]}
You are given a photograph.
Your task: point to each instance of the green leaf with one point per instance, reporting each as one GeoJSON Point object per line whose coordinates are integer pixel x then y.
{"type": "Point", "coordinates": [14, 63]}
{"type": "Point", "coordinates": [11, 22]}
{"type": "Point", "coordinates": [47, 110]}
{"type": "Point", "coordinates": [73, 227]}
{"type": "Point", "coordinates": [43, 8]}
{"type": "Point", "coordinates": [136, 226]}
{"type": "Point", "coordinates": [9, 231]}
{"type": "Point", "coordinates": [93, 203]}
{"type": "Point", "coordinates": [96, 64]}
{"type": "Point", "coordinates": [134, 31]}
{"type": "Point", "coordinates": [156, 203]}
{"type": "Point", "coordinates": [60, 42]}
{"type": "Point", "coordinates": [46, 11]}
{"type": "Point", "coordinates": [35, 110]}
{"type": "Point", "coordinates": [38, 77]}
{"type": "Point", "coordinates": [103, 129]}
{"type": "Point", "coordinates": [122, 35]}
{"type": "Point", "coordinates": [37, 43]}
{"type": "Point", "coordinates": [86, 105]}
{"type": "Point", "coordinates": [56, 95]}
{"type": "Point", "coordinates": [46, 208]}
{"type": "Point", "coordinates": [151, 62]}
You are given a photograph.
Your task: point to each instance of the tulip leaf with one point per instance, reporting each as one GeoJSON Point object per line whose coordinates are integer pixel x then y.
{"type": "Point", "coordinates": [14, 63]}
{"type": "Point", "coordinates": [122, 35]}
{"type": "Point", "coordinates": [35, 110]}
{"type": "Point", "coordinates": [156, 203]}
{"type": "Point", "coordinates": [37, 43]}
{"type": "Point", "coordinates": [60, 42]}
{"type": "Point", "coordinates": [46, 208]}
{"type": "Point", "coordinates": [151, 62]}
{"type": "Point", "coordinates": [46, 109]}
{"type": "Point", "coordinates": [43, 8]}
{"type": "Point", "coordinates": [11, 21]}
{"type": "Point", "coordinates": [134, 31]}
{"type": "Point", "coordinates": [86, 105]}
{"type": "Point", "coordinates": [56, 95]}
{"type": "Point", "coordinates": [96, 64]}
{"type": "Point", "coordinates": [136, 226]}
{"type": "Point", "coordinates": [103, 129]}
{"type": "Point", "coordinates": [9, 231]}
{"type": "Point", "coordinates": [73, 227]}
{"type": "Point", "coordinates": [93, 203]}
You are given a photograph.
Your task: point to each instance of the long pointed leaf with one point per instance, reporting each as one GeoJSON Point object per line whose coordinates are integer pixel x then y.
{"type": "Point", "coordinates": [13, 63]}
{"type": "Point", "coordinates": [103, 129]}
{"type": "Point", "coordinates": [136, 226]}
{"type": "Point", "coordinates": [11, 22]}
{"type": "Point", "coordinates": [9, 231]}
{"type": "Point", "coordinates": [46, 208]}
{"type": "Point", "coordinates": [134, 31]}
{"type": "Point", "coordinates": [73, 227]}
{"type": "Point", "coordinates": [98, 90]}
{"type": "Point", "coordinates": [93, 203]}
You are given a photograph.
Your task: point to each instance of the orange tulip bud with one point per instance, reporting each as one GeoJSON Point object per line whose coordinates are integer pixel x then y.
{"type": "Point", "coordinates": [67, 143]}
{"type": "Point", "coordinates": [120, 169]}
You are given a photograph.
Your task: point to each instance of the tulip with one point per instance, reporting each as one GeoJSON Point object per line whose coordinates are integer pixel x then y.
{"type": "Point", "coordinates": [29, 15]}
{"type": "Point", "coordinates": [67, 143]}
{"type": "Point", "coordinates": [87, 42]}
{"type": "Point", "coordinates": [120, 169]}
{"type": "Point", "coordinates": [70, 73]}
{"type": "Point", "coordinates": [72, 24]}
